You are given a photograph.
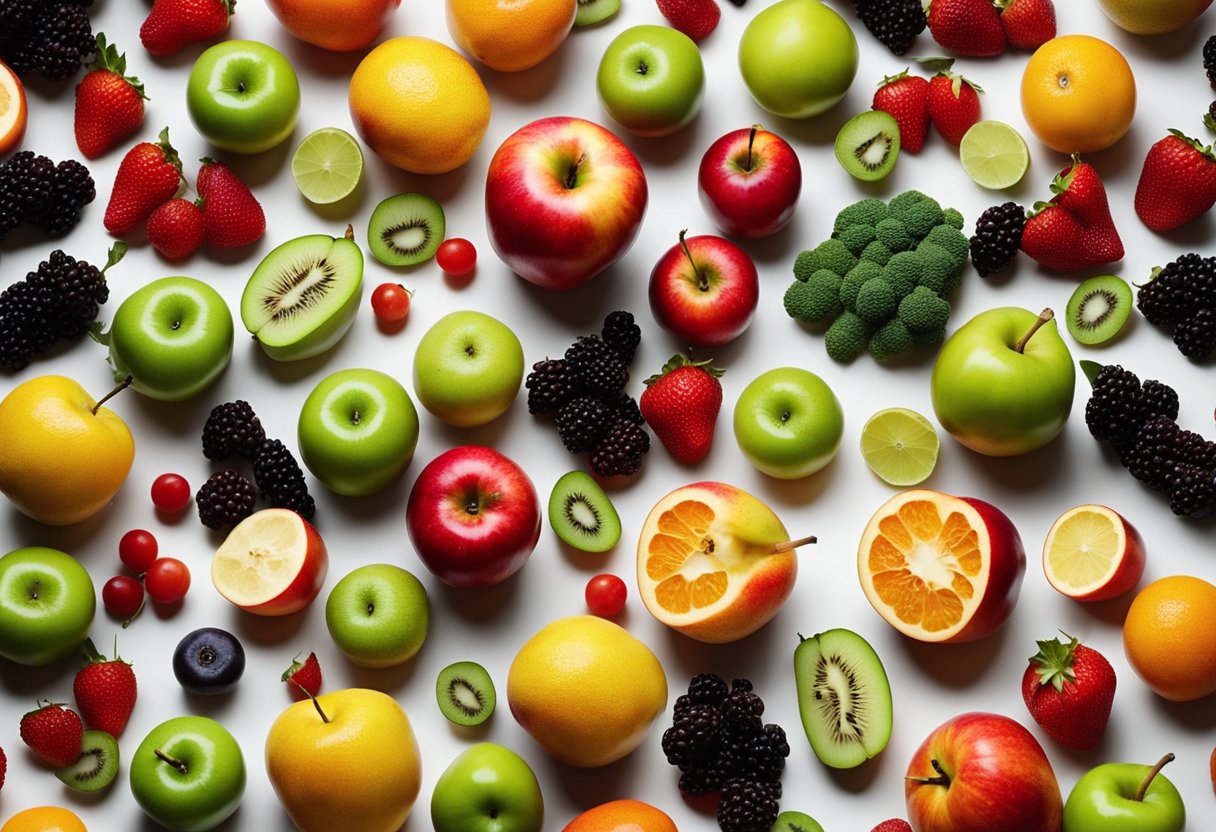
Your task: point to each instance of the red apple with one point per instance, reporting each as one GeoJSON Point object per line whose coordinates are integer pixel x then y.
{"type": "Point", "coordinates": [473, 516]}
{"type": "Point", "coordinates": [564, 201]}
{"type": "Point", "coordinates": [272, 563]}
{"type": "Point", "coordinates": [704, 290]}
{"type": "Point", "coordinates": [982, 772]}
{"type": "Point", "coordinates": [749, 182]}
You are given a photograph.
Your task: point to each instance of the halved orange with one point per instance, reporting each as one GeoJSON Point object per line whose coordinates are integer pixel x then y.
{"type": "Point", "coordinates": [12, 109]}
{"type": "Point", "coordinates": [1092, 553]}
{"type": "Point", "coordinates": [941, 568]}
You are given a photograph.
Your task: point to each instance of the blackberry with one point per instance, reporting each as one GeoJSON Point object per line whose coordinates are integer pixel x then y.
{"type": "Point", "coordinates": [777, 739]}
{"type": "Point", "coordinates": [232, 429]}
{"type": "Point", "coordinates": [225, 499]}
{"type": "Point", "coordinates": [997, 237]}
{"type": "Point", "coordinates": [692, 737]}
{"type": "Point", "coordinates": [740, 716]}
{"type": "Point", "coordinates": [683, 703]}
{"type": "Point", "coordinates": [53, 39]}
{"type": "Point", "coordinates": [622, 334]}
{"type": "Point", "coordinates": [1192, 490]}
{"type": "Point", "coordinates": [596, 367]}
{"type": "Point", "coordinates": [1153, 452]}
{"type": "Point", "coordinates": [895, 23]}
{"type": "Point", "coordinates": [748, 806]}
{"type": "Point", "coordinates": [581, 422]}
{"type": "Point", "coordinates": [550, 385]}
{"type": "Point", "coordinates": [34, 189]}
{"type": "Point", "coordinates": [1209, 59]}
{"type": "Point", "coordinates": [1177, 289]}
{"type": "Point", "coordinates": [741, 684]}
{"type": "Point", "coordinates": [1196, 336]}
{"type": "Point", "coordinates": [625, 406]}
{"type": "Point", "coordinates": [1115, 408]}
{"type": "Point", "coordinates": [25, 328]}
{"type": "Point", "coordinates": [707, 689]}
{"type": "Point", "coordinates": [1159, 399]}
{"type": "Point", "coordinates": [756, 758]}
{"type": "Point", "coordinates": [1196, 450]}
{"type": "Point", "coordinates": [703, 779]}
{"type": "Point", "coordinates": [620, 451]}
{"type": "Point", "coordinates": [280, 480]}
{"type": "Point", "coordinates": [72, 188]}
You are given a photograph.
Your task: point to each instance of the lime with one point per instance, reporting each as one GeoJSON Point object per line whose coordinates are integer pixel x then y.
{"type": "Point", "coordinates": [994, 155]}
{"type": "Point", "coordinates": [900, 446]}
{"type": "Point", "coordinates": [327, 166]}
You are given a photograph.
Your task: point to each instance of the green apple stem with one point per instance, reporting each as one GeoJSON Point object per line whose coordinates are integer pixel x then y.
{"type": "Point", "coordinates": [751, 137]}
{"type": "Point", "coordinates": [1153, 772]}
{"type": "Point", "coordinates": [350, 232]}
{"type": "Point", "coordinates": [126, 382]}
{"type": "Point", "coordinates": [1044, 316]}
{"type": "Point", "coordinates": [787, 545]}
{"type": "Point", "coordinates": [173, 761]}
{"type": "Point", "coordinates": [702, 283]}
{"type": "Point", "coordinates": [941, 779]}
{"type": "Point", "coordinates": [311, 698]}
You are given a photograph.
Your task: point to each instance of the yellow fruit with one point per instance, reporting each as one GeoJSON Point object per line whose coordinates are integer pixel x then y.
{"type": "Point", "coordinates": [60, 462]}
{"type": "Point", "coordinates": [1169, 636]}
{"type": "Point", "coordinates": [510, 35]}
{"type": "Point", "coordinates": [44, 819]}
{"type": "Point", "coordinates": [1153, 17]}
{"type": "Point", "coordinates": [13, 112]}
{"type": "Point", "coordinates": [419, 105]}
{"type": "Point", "coordinates": [586, 690]}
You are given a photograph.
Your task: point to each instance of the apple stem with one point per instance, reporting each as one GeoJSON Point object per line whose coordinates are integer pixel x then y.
{"type": "Point", "coordinates": [751, 137]}
{"type": "Point", "coordinates": [311, 699]}
{"type": "Point", "coordinates": [572, 173]}
{"type": "Point", "coordinates": [702, 283]}
{"type": "Point", "coordinates": [34, 591]}
{"type": "Point", "coordinates": [787, 545]}
{"type": "Point", "coordinates": [1044, 316]}
{"type": "Point", "coordinates": [173, 761]}
{"type": "Point", "coordinates": [350, 232]}
{"type": "Point", "coordinates": [1153, 772]}
{"type": "Point", "coordinates": [126, 382]}
{"type": "Point", "coordinates": [942, 779]}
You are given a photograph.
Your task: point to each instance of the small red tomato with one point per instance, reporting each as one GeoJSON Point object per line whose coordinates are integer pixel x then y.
{"type": "Point", "coordinates": [391, 302]}
{"type": "Point", "coordinates": [122, 596]}
{"type": "Point", "coordinates": [137, 550]}
{"type": "Point", "coordinates": [167, 581]}
{"type": "Point", "coordinates": [170, 493]}
{"type": "Point", "coordinates": [456, 256]}
{"type": "Point", "coordinates": [606, 595]}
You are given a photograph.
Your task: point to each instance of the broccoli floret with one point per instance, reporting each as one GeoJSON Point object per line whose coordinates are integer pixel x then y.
{"type": "Point", "coordinates": [903, 271]}
{"type": "Point", "coordinates": [857, 237]}
{"type": "Point", "coordinates": [846, 338]}
{"type": "Point", "coordinates": [869, 211]}
{"type": "Point", "coordinates": [859, 274]}
{"type": "Point", "coordinates": [929, 339]}
{"type": "Point", "coordinates": [901, 202]}
{"type": "Point", "coordinates": [876, 300]}
{"type": "Point", "coordinates": [952, 240]}
{"type": "Point", "coordinates": [938, 269]}
{"type": "Point", "coordinates": [919, 219]}
{"type": "Point", "coordinates": [876, 252]}
{"type": "Point", "coordinates": [830, 254]}
{"type": "Point", "coordinates": [923, 310]}
{"type": "Point", "coordinates": [815, 299]}
{"type": "Point", "coordinates": [891, 339]}
{"type": "Point", "coordinates": [954, 218]}
{"type": "Point", "coordinates": [804, 265]}
{"type": "Point", "coordinates": [891, 233]}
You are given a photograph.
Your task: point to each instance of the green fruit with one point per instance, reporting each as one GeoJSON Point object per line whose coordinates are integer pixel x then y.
{"type": "Point", "coordinates": [788, 423]}
{"type": "Point", "coordinates": [405, 230]}
{"type": "Point", "coordinates": [1105, 799]}
{"type": "Point", "coordinates": [651, 80]}
{"type": "Point", "coordinates": [378, 615]}
{"type": "Point", "coordinates": [591, 12]}
{"type": "Point", "coordinates": [582, 515]}
{"type": "Point", "coordinates": [868, 145]}
{"type": "Point", "coordinates": [97, 766]}
{"type": "Point", "coordinates": [243, 96]}
{"type": "Point", "coordinates": [188, 774]}
{"type": "Point", "coordinates": [795, 822]}
{"type": "Point", "coordinates": [488, 788]}
{"type": "Point", "coordinates": [46, 605]}
{"type": "Point", "coordinates": [1098, 309]}
{"type": "Point", "coordinates": [465, 693]}
{"type": "Point", "coordinates": [468, 368]}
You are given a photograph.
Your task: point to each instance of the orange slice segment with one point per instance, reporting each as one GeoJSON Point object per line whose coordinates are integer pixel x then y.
{"type": "Point", "coordinates": [12, 109]}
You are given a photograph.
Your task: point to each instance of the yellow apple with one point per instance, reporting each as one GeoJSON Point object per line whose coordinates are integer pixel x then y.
{"type": "Point", "coordinates": [1153, 17]}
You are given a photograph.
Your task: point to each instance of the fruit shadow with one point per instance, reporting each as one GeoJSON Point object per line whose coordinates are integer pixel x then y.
{"type": "Point", "coordinates": [581, 309]}
{"type": "Point", "coordinates": [216, 706]}
{"type": "Point", "coordinates": [793, 494]}
{"type": "Point", "coordinates": [587, 787]}
{"type": "Point", "coordinates": [775, 251]}
{"type": "Point", "coordinates": [954, 665]}
{"type": "Point", "coordinates": [386, 680]}
{"type": "Point", "coordinates": [232, 824]}
{"type": "Point", "coordinates": [178, 419]}
{"type": "Point", "coordinates": [267, 631]}
{"type": "Point", "coordinates": [856, 780]}
{"type": "Point", "coordinates": [257, 169]}
{"type": "Point", "coordinates": [344, 210]}
{"type": "Point", "coordinates": [1197, 717]}
{"type": "Point", "coordinates": [481, 605]}
{"type": "Point", "coordinates": [1165, 47]}
{"type": "Point", "coordinates": [289, 372]}
{"type": "Point", "coordinates": [1023, 473]}
{"type": "Point", "coordinates": [16, 526]}
{"type": "Point", "coordinates": [668, 150]}
{"type": "Point", "coordinates": [28, 682]}
{"type": "Point", "coordinates": [338, 66]}
{"type": "Point", "coordinates": [528, 86]}
{"type": "Point", "coordinates": [746, 658]}
{"type": "Point", "coordinates": [489, 434]}
{"type": "Point", "coordinates": [1113, 611]}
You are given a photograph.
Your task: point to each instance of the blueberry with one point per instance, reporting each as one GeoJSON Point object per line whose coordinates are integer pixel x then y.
{"type": "Point", "coordinates": [209, 661]}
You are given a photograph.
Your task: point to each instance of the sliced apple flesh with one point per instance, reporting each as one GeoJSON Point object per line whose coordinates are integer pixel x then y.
{"type": "Point", "coordinates": [272, 563]}
{"type": "Point", "coordinates": [1093, 554]}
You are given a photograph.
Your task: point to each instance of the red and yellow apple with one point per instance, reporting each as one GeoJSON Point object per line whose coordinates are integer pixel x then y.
{"type": "Point", "coordinates": [272, 563]}
{"type": "Point", "coordinates": [704, 290]}
{"type": "Point", "coordinates": [337, 25]}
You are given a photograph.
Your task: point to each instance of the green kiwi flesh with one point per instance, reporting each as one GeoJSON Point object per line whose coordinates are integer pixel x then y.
{"type": "Point", "coordinates": [405, 230]}
{"type": "Point", "coordinates": [97, 766]}
{"type": "Point", "coordinates": [582, 515]}
{"type": "Point", "coordinates": [1098, 309]}
{"type": "Point", "coordinates": [591, 12]}
{"type": "Point", "coordinates": [868, 145]}
{"type": "Point", "coordinates": [844, 698]}
{"type": "Point", "coordinates": [795, 822]}
{"type": "Point", "coordinates": [465, 693]}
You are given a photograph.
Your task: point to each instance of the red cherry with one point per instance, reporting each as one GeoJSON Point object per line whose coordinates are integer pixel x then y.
{"type": "Point", "coordinates": [391, 302]}
{"type": "Point", "coordinates": [606, 595]}
{"type": "Point", "coordinates": [137, 550]}
{"type": "Point", "coordinates": [122, 596]}
{"type": "Point", "coordinates": [167, 581]}
{"type": "Point", "coordinates": [456, 256]}
{"type": "Point", "coordinates": [170, 493]}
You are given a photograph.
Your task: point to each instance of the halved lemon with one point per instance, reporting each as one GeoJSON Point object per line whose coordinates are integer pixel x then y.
{"type": "Point", "coordinates": [1092, 554]}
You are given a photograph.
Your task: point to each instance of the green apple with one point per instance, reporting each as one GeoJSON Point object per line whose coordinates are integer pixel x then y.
{"type": "Point", "coordinates": [46, 605]}
{"type": "Point", "coordinates": [357, 431]}
{"type": "Point", "coordinates": [173, 337]}
{"type": "Point", "coordinates": [788, 423]}
{"type": "Point", "coordinates": [1003, 382]}
{"type": "Point", "coordinates": [1125, 797]}
{"type": "Point", "coordinates": [651, 80]}
{"type": "Point", "coordinates": [188, 774]}
{"type": "Point", "coordinates": [798, 58]}
{"type": "Point", "coordinates": [378, 615]}
{"type": "Point", "coordinates": [468, 368]}
{"type": "Point", "coordinates": [243, 96]}
{"type": "Point", "coordinates": [488, 788]}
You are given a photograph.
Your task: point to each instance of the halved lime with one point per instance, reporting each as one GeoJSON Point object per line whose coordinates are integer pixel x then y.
{"type": "Point", "coordinates": [994, 155]}
{"type": "Point", "coordinates": [900, 446]}
{"type": "Point", "coordinates": [327, 166]}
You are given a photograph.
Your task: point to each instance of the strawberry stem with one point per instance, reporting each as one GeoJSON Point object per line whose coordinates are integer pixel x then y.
{"type": "Point", "coordinates": [126, 382]}
{"type": "Point", "coordinates": [1153, 772]}
{"type": "Point", "coordinates": [788, 545]}
{"type": "Point", "coordinates": [1044, 316]}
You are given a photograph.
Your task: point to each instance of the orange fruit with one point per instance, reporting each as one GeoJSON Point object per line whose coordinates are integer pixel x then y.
{"type": "Point", "coordinates": [12, 109]}
{"type": "Point", "coordinates": [941, 568]}
{"type": "Point", "coordinates": [1169, 636]}
{"type": "Point", "coordinates": [1078, 94]}
{"type": "Point", "coordinates": [622, 816]}
{"type": "Point", "coordinates": [44, 819]}
{"type": "Point", "coordinates": [1092, 554]}
{"type": "Point", "coordinates": [510, 35]}
{"type": "Point", "coordinates": [419, 105]}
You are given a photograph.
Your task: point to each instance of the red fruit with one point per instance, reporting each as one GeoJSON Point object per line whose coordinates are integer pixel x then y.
{"type": "Point", "coordinates": [105, 691]}
{"type": "Point", "coordinates": [893, 825]}
{"type": "Point", "coordinates": [137, 549]}
{"type": "Point", "coordinates": [681, 406]}
{"type": "Point", "coordinates": [456, 256]}
{"type": "Point", "coordinates": [109, 104]}
{"type": "Point", "coordinates": [167, 581]}
{"type": "Point", "coordinates": [303, 676]}
{"type": "Point", "coordinates": [175, 229]}
{"type": "Point", "coordinates": [391, 302]}
{"type": "Point", "coordinates": [1055, 239]}
{"type": "Point", "coordinates": [3, 767]}
{"type": "Point", "coordinates": [605, 595]}
{"type": "Point", "coordinates": [148, 175]}
{"type": "Point", "coordinates": [54, 733]}
{"type": "Point", "coordinates": [1028, 24]}
{"type": "Point", "coordinates": [175, 24]}
{"type": "Point", "coordinates": [1069, 689]}
{"type": "Point", "coordinates": [906, 98]}
{"type": "Point", "coordinates": [1085, 240]}
{"type": "Point", "coordinates": [967, 27]}
{"type": "Point", "coordinates": [954, 105]}
{"type": "Point", "coordinates": [232, 217]}
{"type": "Point", "coordinates": [170, 493]}
{"type": "Point", "coordinates": [695, 18]}
{"type": "Point", "coordinates": [1177, 182]}
{"type": "Point", "coordinates": [123, 597]}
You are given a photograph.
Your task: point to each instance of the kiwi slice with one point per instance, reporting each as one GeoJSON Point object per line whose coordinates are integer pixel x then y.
{"type": "Point", "coordinates": [591, 12]}
{"type": "Point", "coordinates": [465, 693]}
{"type": "Point", "coordinates": [795, 822]}
{"type": "Point", "coordinates": [844, 697]}
{"type": "Point", "coordinates": [405, 230]}
{"type": "Point", "coordinates": [582, 515]}
{"type": "Point", "coordinates": [97, 766]}
{"type": "Point", "coordinates": [868, 145]}
{"type": "Point", "coordinates": [1098, 309]}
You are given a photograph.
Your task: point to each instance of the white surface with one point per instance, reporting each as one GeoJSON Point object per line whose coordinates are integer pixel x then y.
{"type": "Point", "coordinates": [930, 684]}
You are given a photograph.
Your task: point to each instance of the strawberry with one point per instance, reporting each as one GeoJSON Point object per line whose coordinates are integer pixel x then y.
{"type": "Point", "coordinates": [695, 18]}
{"type": "Point", "coordinates": [105, 691]}
{"type": "Point", "coordinates": [232, 217]}
{"type": "Point", "coordinates": [967, 27]}
{"type": "Point", "coordinates": [109, 103]}
{"type": "Point", "coordinates": [54, 733]}
{"type": "Point", "coordinates": [175, 229]}
{"type": "Point", "coordinates": [906, 98]}
{"type": "Point", "coordinates": [1079, 190]}
{"type": "Point", "coordinates": [148, 175]}
{"type": "Point", "coordinates": [175, 24]}
{"type": "Point", "coordinates": [954, 105]}
{"type": "Point", "coordinates": [893, 825]}
{"type": "Point", "coordinates": [1055, 239]}
{"type": "Point", "coordinates": [1028, 24]}
{"type": "Point", "coordinates": [1177, 182]}
{"type": "Point", "coordinates": [304, 678]}
{"type": "Point", "coordinates": [681, 405]}
{"type": "Point", "coordinates": [1068, 689]}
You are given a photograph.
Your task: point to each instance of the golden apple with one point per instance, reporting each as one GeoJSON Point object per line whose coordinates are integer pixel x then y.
{"type": "Point", "coordinates": [1153, 17]}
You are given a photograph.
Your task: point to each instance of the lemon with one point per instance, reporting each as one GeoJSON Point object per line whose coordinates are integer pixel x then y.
{"type": "Point", "coordinates": [327, 165]}
{"type": "Point", "coordinates": [994, 155]}
{"type": "Point", "coordinates": [900, 446]}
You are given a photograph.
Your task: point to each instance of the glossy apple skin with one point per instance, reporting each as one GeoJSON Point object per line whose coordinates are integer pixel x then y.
{"type": "Point", "coordinates": [624, 815]}
{"type": "Point", "coordinates": [468, 368]}
{"type": "Point", "coordinates": [378, 615]}
{"type": "Point", "coordinates": [564, 201]}
{"type": "Point", "coordinates": [47, 605]}
{"type": "Point", "coordinates": [651, 80]}
{"type": "Point", "coordinates": [243, 96]}
{"type": "Point", "coordinates": [1153, 17]}
{"type": "Point", "coordinates": [788, 423]}
{"type": "Point", "coordinates": [473, 516]}
{"type": "Point", "coordinates": [709, 304]}
{"type": "Point", "coordinates": [210, 789]}
{"type": "Point", "coordinates": [1104, 800]}
{"type": "Point", "coordinates": [1000, 779]}
{"type": "Point", "coordinates": [749, 182]}
{"type": "Point", "coordinates": [487, 788]}
{"type": "Point", "coordinates": [306, 584]}
{"type": "Point", "coordinates": [337, 25]}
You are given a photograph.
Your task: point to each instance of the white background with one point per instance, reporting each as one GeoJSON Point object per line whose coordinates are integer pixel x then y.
{"type": "Point", "coordinates": [930, 684]}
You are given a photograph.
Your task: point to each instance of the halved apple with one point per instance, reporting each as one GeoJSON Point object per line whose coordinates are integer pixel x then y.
{"type": "Point", "coordinates": [1092, 554]}
{"type": "Point", "coordinates": [272, 563]}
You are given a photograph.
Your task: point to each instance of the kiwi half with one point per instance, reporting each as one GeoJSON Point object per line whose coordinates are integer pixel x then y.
{"type": "Point", "coordinates": [844, 697]}
{"type": "Point", "coordinates": [868, 145]}
{"type": "Point", "coordinates": [795, 822]}
{"type": "Point", "coordinates": [405, 230]}
{"type": "Point", "coordinates": [582, 515]}
{"type": "Point", "coordinates": [97, 766]}
{"type": "Point", "coordinates": [591, 12]}
{"type": "Point", "coordinates": [465, 693]}
{"type": "Point", "coordinates": [1098, 309]}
